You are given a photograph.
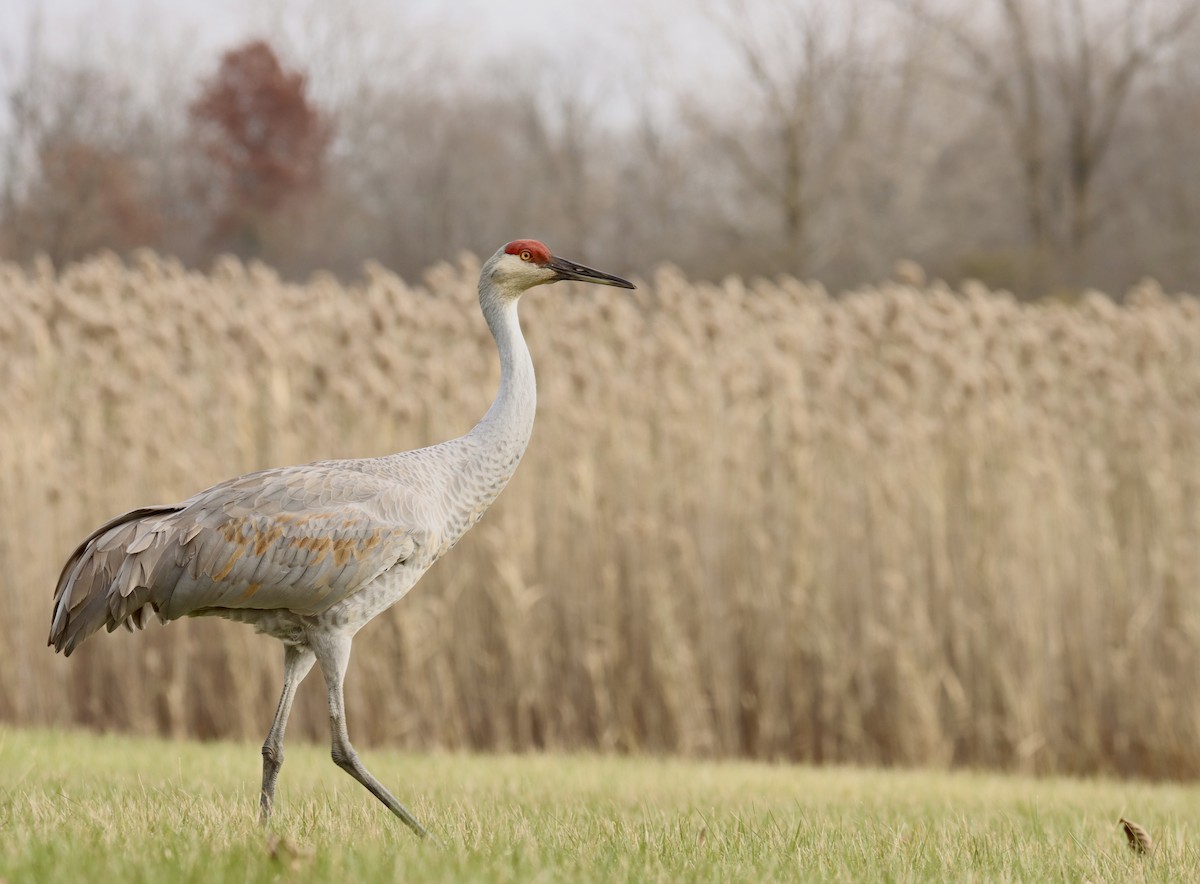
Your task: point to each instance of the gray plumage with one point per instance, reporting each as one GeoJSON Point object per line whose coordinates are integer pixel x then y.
{"type": "Point", "coordinates": [309, 554]}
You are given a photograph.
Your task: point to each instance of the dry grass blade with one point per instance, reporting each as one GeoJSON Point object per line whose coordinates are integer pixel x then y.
{"type": "Point", "coordinates": [1139, 838]}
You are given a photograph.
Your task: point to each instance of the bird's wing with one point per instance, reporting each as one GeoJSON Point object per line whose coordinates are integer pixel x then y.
{"type": "Point", "coordinates": [300, 538]}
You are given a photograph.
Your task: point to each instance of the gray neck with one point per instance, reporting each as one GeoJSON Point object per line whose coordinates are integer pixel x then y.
{"type": "Point", "coordinates": [508, 424]}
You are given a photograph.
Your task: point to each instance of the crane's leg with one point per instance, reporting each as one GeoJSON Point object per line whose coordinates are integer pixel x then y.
{"type": "Point", "coordinates": [297, 661]}
{"type": "Point", "coordinates": [333, 653]}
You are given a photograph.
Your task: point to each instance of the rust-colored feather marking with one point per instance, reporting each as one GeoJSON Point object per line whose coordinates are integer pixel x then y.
{"type": "Point", "coordinates": [1139, 839]}
{"type": "Point", "coordinates": [238, 552]}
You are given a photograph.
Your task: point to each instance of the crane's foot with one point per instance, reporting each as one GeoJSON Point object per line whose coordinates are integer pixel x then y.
{"type": "Point", "coordinates": [347, 760]}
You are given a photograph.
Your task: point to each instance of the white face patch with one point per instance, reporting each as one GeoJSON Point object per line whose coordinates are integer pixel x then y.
{"type": "Point", "coordinates": [510, 272]}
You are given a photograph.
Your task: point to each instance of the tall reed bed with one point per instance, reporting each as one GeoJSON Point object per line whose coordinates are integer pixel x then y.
{"type": "Point", "coordinates": [901, 526]}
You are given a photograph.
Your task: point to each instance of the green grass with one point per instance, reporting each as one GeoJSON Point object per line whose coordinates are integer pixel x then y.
{"type": "Point", "coordinates": [81, 807]}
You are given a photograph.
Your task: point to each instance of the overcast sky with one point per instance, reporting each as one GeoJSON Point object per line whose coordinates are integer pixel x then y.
{"type": "Point", "coordinates": [609, 41]}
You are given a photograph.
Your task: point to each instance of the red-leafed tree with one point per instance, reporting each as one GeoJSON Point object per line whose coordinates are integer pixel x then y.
{"type": "Point", "coordinates": [265, 139]}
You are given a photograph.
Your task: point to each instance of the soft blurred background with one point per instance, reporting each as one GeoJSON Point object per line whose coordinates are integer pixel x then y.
{"type": "Point", "coordinates": [891, 458]}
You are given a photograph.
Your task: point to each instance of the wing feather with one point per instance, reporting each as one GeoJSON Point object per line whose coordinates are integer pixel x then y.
{"type": "Point", "coordinates": [300, 538]}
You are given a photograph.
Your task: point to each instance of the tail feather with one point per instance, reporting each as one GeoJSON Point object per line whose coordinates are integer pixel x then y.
{"type": "Point", "coordinates": [106, 581]}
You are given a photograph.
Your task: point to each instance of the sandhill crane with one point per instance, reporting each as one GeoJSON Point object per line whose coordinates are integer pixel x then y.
{"type": "Point", "coordinates": [309, 554]}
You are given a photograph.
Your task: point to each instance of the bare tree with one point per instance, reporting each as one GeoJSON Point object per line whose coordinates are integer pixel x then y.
{"type": "Point", "coordinates": [1058, 80]}
{"type": "Point", "coordinates": [806, 77]}
{"type": "Point", "coordinates": [1151, 167]}
{"type": "Point", "coordinates": [72, 179]}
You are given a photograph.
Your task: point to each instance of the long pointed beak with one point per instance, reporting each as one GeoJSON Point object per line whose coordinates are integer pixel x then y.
{"type": "Point", "coordinates": [570, 270]}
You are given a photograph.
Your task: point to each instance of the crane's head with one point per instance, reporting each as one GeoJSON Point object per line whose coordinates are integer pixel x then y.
{"type": "Point", "coordinates": [524, 263]}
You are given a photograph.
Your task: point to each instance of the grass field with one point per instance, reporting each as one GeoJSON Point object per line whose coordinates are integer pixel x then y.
{"type": "Point", "coordinates": [80, 807]}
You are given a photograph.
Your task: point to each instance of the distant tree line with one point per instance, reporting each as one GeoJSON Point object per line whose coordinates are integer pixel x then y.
{"type": "Point", "coordinates": [1040, 145]}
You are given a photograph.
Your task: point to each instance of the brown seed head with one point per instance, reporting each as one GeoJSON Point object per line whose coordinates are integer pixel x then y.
{"type": "Point", "coordinates": [1139, 838]}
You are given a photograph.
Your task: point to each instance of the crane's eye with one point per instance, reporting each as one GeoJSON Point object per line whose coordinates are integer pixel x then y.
{"type": "Point", "coordinates": [526, 254]}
